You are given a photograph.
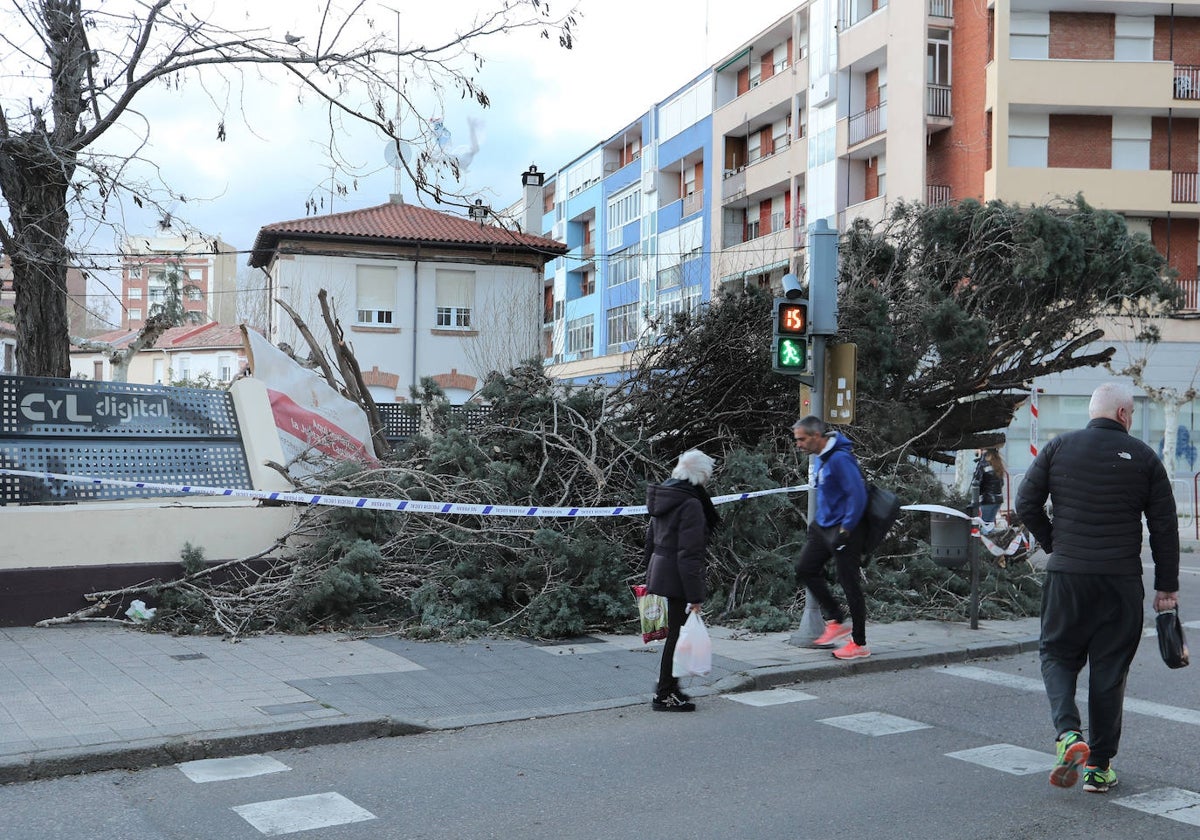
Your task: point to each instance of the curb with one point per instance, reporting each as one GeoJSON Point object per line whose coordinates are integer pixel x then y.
{"type": "Point", "coordinates": [152, 752]}
{"type": "Point", "coordinates": [156, 752]}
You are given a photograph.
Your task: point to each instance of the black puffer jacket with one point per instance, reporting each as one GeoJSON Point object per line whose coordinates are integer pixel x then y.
{"type": "Point", "coordinates": [675, 541]}
{"type": "Point", "coordinates": [991, 486]}
{"type": "Point", "coordinates": [1100, 481]}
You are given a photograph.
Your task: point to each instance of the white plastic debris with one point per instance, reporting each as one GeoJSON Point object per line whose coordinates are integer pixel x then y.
{"type": "Point", "coordinates": [139, 612]}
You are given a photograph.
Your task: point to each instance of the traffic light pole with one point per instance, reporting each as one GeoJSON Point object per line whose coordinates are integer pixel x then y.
{"type": "Point", "coordinates": [811, 622]}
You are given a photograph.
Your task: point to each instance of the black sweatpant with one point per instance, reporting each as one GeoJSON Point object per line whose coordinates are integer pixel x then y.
{"type": "Point", "coordinates": [1097, 620]}
{"type": "Point", "coordinates": [676, 614]}
{"type": "Point", "coordinates": [810, 572]}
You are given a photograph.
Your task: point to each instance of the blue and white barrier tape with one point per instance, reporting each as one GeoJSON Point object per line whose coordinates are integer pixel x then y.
{"type": "Point", "coordinates": [405, 505]}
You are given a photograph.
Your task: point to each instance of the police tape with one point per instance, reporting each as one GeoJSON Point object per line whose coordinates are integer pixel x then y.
{"type": "Point", "coordinates": [403, 505]}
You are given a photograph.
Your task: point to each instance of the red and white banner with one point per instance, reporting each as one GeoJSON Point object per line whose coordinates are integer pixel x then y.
{"type": "Point", "coordinates": [313, 419]}
{"type": "Point", "coordinates": [1033, 420]}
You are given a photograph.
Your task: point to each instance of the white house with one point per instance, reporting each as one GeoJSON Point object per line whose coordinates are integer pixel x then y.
{"type": "Point", "coordinates": [418, 293]}
{"type": "Point", "coordinates": [181, 353]}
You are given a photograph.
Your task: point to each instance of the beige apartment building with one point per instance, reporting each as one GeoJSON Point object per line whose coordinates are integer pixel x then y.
{"type": "Point", "coordinates": [840, 108]}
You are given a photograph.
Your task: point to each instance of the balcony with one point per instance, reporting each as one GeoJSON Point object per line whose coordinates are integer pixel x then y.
{"type": "Point", "coordinates": [1190, 294]}
{"type": "Point", "coordinates": [941, 8]}
{"type": "Point", "coordinates": [1187, 81]}
{"type": "Point", "coordinates": [937, 194]}
{"type": "Point", "coordinates": [868, 124]}
{"type": "Point", "coordinates": [693, 203]}
{"type": "Point", "coordinates": [937, 101]}
{"type": "Point", "coordinates": [1183, 188]}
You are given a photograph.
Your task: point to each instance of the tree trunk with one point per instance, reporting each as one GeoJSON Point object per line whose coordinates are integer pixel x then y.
{"type": "Point", "coordinates": [34, 184]}
{"type": "Point", "coordinates": [1170, 434]}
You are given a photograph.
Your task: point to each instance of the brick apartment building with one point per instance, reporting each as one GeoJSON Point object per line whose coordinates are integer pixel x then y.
{"type": "Point", "coordinates": [208, 278]}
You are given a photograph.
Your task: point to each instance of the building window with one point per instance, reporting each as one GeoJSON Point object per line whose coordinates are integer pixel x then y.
{"type": "Point", "coordinates": [193, 293]}
{"type": "Point", "coordinates": [1135, 39]}
{"type": "Point", "coordinates": [225, 368]}
{"type": "Point", "coordinates": [195, 274]}
{"type": "Point", "coordinates": [689, 180]}
{"type": "Point", "coordinates": [622, 326]}
{"type": "Point", "coordinates": [375, 294]}
{"type": "Point", "coordinates": [581, 336]}
{"type": "Point", "coordinates": [98, 371]}
{"type": "Point", "coordinates": [455, 299]}
{"type": "Point", "coordinates": [1030, 35]}
{"type": "Point", "coordinates": [937, 57]}
{"type": "Point", "coordinates": [1028, 140]}
{"type": "Point", "coordinates": [622, 210]}
{"type": "Point", "coordinates": [625, 266]}
{"type": "Point", "coordinates": [135, 314]}
{"type": "Point", "coordinates": [158, 371]}
{"type": "Point", "coordinates": [135, 294]}
{"type": "Point", "coordinates": [10, 361]}
{"type": "Point", "coordinates": [157, 292]}
{"type": "Point", "coordinates": [185, 367]}
{"type": "Point", "coordinates": [1131, 142]}
{"type": "Point", "coordinates": [670, 304]}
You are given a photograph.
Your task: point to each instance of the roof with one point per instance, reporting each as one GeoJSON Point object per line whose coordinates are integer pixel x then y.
{"type": "Point", "coordinates": [400, 224]}
{"type": "Point", "coordinates": [210, 336]}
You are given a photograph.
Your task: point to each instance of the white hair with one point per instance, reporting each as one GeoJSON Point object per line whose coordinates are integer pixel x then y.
{"type": "Point", "coordinates": [693, 466]}
{"type": "Point", "coordinates": [1107, 398]}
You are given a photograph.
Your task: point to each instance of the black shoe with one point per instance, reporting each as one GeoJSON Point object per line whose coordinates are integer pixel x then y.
{"type": "Point", "coordinates": [672, 702]}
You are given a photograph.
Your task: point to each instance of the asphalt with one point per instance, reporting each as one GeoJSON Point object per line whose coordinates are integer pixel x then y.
{"type": "Point", "coordinates": [89, 697]}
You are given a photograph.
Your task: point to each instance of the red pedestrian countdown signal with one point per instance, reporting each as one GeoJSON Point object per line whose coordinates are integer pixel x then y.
{"type": "Point", "coordinates": [789, 352]}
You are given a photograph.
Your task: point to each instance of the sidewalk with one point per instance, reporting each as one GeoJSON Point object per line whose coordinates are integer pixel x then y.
{"type": "Point", "coordinates": [89, 697]}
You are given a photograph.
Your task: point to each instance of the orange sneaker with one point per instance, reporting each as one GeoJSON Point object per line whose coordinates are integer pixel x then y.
{"type": "Point", "coordinates": [852, 651]}
{"type": "Point", "coordinates": [835, 631]}
{"type": "Point", "coordinates": [1073, 753]}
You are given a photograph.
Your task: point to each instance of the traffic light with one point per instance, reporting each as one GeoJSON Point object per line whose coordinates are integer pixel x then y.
{"type": "Point", "coordinates": [789, 342]}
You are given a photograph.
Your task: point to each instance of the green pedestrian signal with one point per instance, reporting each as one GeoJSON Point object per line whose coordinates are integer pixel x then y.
{"type": "Point", "coordinates": [791, 355]}
{"type": "Point", "coordinates": [790, 341]}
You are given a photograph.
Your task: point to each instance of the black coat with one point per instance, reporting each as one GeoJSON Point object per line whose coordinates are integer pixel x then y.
{"type": "Point", "coordinates": [991, 486]}
{"type": "Point", "coordinates": [1101, 481]}
{"type": "Point", "coordinates": [676, 539]}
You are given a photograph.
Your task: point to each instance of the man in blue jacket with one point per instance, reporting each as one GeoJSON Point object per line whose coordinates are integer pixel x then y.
{"type": "Point", "coordinates": [837, 532]}
{"type": "Point", "coordinates": [1101, 482]}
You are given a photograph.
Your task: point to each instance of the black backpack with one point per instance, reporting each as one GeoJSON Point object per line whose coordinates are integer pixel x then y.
{"type": "Point", "coordinates": [883, 509]}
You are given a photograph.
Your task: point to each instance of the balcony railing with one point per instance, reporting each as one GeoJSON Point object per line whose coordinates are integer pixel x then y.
{"type": "Point", "coordinates": [693, 203]}
{"type": "Point", "coordinates": [941, 8]}
{"type": "Point", "coordinates": [937, 100]}
{"type": "Point", "coordinates": [936, 194]}
{"type": "Point", "coordinates": [1191, 289]}
{"type": "Point", "coordinates": [1187, 81]}
{"type": "Point", "coordinates": [1183, 188]}
{"type": "Point", "coordinates": [867, 124]}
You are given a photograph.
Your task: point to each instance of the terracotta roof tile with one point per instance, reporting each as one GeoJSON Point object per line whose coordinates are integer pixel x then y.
{"type": "Point", "coordinates": [210, 336]}
{"type": "Point", "coordinates": [400, 224]}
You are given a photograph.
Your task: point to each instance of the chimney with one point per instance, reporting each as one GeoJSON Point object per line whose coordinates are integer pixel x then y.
{"type": "Point", "coordinates": [532, 180]}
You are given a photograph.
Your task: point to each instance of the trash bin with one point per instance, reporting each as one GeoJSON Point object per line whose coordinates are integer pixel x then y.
{"type": "Point", "coordinates": [949, 540]}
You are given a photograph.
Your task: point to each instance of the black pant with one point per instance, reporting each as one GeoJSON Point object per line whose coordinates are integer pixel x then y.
{"type": "Point", "coordinates": [676, 615]}
{"type": "Point", "coordinates": [1093, 619]}
{"type": "Point", "coordinates": [810, 572]}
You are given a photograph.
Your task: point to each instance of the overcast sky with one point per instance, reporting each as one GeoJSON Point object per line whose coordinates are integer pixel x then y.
{"type": "Point", "coordinates": [548, 106]}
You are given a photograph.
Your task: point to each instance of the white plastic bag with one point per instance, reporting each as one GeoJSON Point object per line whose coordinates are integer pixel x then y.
{"type": "Point", "coordinates": [693, 651]}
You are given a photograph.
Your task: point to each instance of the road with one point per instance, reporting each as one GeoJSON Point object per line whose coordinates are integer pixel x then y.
{"type": "Point", "coordinates": [940, 752]}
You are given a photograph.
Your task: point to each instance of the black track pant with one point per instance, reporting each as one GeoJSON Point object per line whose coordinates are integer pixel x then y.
{"type": "Point", "coordinates": [1097, 620]}
{"type": "Point", "coordinates": [676, 615]}
{"type": "Point", "coordinates": [810, 572]}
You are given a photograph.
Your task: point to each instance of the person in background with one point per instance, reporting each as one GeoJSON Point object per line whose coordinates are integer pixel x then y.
{"type": "Point", "coordinates": [682, 516]}
{"type": "Point", "coordinates": [1101, 482]}
{"type": "Point", "coordinates": [837, 532]}
{"type": "Point", "coordinates": [989, 475]}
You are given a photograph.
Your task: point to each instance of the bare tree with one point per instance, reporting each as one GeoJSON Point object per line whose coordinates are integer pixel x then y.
{"type": "Point", "coordinates": [74, 73]}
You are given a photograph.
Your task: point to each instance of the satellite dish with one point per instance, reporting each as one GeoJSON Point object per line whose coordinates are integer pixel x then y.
{"type": "Point", "coordinates": [392, 156]}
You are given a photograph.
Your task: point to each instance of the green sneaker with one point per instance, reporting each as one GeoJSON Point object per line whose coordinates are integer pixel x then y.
{"type": "Point", "coordinates": [1073, 753]}
{"type": "Point", "coordinates": [1096, 780]}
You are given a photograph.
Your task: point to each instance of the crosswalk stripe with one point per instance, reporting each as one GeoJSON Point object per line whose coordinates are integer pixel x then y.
{"type": "Point", "coordinates": [302, 813]}
{"type": "Point", "coordinates": [769, 697]}
{"type": "Point", "coordinates": [1173, 803]}
{"type": "Point", "coordinates": [224, 769]}
{"type": "Point", "coordinates": [1139, 707]}
{"type": "Point", "coordinates": [1019, 761]}
{"type": "Point", "coordinates": [875, 724]}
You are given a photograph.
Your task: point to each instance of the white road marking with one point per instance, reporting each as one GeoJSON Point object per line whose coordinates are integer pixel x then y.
{"type": "Point", "coordinates": [302, 813]}
{"type": "Point", "coordinates": [1173, 803]}
{"type": "Point", "coordinates": [770, 697]}
{"type": "Point", "coordinates": [875, 723]}
{"type": "Point", "coordinates": [1138, 707]}
{"type": "Point", "coordinates": [1018, 761]}
{"type": "Point", "coordinates": [224, 769]}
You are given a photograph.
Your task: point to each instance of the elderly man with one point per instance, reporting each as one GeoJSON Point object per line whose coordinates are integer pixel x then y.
{"type": "Point", "coordinates": [1101, 481]}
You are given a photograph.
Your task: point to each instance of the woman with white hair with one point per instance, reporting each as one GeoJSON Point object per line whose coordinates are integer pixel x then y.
{"type": "Point", "coordinates": [681, 518]}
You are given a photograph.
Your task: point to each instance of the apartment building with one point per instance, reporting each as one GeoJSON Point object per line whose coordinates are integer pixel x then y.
{"type": "Point", "coordinates": [842, 107]}
{"type": "Point", "coordinates": [207, 274]}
